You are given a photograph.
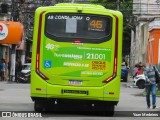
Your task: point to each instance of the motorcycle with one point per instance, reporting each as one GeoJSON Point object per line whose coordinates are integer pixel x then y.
{"type": "Point", "coordinates": [139, 81]}
{"type": "Point", "coordinates": [24, 75]}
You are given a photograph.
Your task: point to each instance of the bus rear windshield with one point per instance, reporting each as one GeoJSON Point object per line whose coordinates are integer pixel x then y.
{"type": "Point", "coordinates": [88, 28]}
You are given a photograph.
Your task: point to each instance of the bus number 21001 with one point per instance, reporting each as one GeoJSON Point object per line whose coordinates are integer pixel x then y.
{"type": "Point", "coordinates": [95, 56]}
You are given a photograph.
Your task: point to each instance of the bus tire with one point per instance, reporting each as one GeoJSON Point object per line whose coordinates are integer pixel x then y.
{"type": "Point", "coordinates": [38, 106]}
{"type": "Point", "coordinates": [110, 111]}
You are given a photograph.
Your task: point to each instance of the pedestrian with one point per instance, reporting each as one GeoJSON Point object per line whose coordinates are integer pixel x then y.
{"type": "Point", "coordinates": [9, 66]}
{"type": "Point", "coordinates": [18, 68]}
{"type": "Point", "coordinates": [124, 62]}
{"type": "Point", "coordinates": [135, 69]}
{"type": "Point", "coordinates": [140, 70]}
{"type": "Point", "coordinates": [157, 76]}
{"type": "Point", "coordinates": [3, 69]}
{"type": "Point", "coordinates": [150, 86]}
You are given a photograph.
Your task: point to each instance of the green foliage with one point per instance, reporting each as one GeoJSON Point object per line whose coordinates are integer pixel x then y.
{"type": "Point", "coordinates": [125, 6]}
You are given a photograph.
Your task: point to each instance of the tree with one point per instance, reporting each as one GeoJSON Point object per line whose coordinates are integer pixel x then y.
{"type": "Point", "coordinates": [4, 8]}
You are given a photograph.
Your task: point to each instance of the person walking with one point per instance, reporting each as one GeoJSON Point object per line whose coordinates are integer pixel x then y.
{"type": "Point", "coordinates": [18, 68]}
{"type": "Point", "coordinates": [140, 70]}
{"type": "Point", "coordinates": [150, 86]}
{"type": "Point", "coordinates": [3, 69]}
{"type": "Point", "coordinates": [135, 69]}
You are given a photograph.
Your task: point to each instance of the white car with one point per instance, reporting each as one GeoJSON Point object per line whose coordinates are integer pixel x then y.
{"type": "Point", "coordinates": [139, 81]}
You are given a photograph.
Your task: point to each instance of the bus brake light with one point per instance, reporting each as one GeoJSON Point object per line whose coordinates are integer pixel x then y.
{"type": "Point", "coordinates": [38, 49]}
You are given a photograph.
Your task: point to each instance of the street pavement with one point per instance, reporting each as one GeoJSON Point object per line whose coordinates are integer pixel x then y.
{"type": "Point", "coordinates": [135, 98]}
{"type": "Point", "coordinates": [16, 97]}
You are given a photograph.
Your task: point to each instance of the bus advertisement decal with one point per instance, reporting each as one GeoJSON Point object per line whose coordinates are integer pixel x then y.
{"type": "Point", "coordinates": [98, 65]}
{"type": "Point", "coordinates": [79, 61]}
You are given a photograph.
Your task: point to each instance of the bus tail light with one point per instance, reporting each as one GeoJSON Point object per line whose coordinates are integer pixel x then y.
{"type": "Point", "coordinates": [114, 72]}
{"type": "Point", "coordinates": [38, 49]}
{"type": "Point", "coordinates": [115, 54]}
{"type": "Point", "coordinates": [111, 93]}
{"type": "Point", "coordinates": [110, 78]}
{"type": "Point", "coordinates": [37, 68]}
{"type": "Point", "coordinates": [41, 75]}
{"type": "Point", "coordinates": [38, 89]}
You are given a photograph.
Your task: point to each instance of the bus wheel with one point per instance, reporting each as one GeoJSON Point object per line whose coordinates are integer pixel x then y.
{"type": "Point", "coordinates": [110, 111]}
{"type": "Point", "coordinates": [38, 106]}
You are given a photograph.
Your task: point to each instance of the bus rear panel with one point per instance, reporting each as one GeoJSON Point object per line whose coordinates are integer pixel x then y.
{"type": "Point", "coordinates": [76, 57]}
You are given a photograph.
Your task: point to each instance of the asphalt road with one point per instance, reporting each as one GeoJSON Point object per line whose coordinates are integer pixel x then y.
{"type": "Point", "coordinates": [16, 97]}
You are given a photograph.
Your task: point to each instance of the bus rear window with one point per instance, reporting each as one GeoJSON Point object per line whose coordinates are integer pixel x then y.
{"type": "Point", "coordinates": [88, 28]}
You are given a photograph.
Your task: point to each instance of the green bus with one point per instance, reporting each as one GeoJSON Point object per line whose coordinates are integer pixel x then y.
{"type": "Point", "coordinates": [76, 57]}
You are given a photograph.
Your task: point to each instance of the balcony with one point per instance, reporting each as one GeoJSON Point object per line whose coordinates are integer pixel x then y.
{"type": "Point", "coordinates": [146, 7]}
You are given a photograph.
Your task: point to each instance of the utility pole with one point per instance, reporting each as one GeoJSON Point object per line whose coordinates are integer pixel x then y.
{"type": "Point", "coordinates": [118, 4]}
{"type": "Point", "coordinates": [73, 1]}
{"type": "Point", "coordinates": [14, 17]}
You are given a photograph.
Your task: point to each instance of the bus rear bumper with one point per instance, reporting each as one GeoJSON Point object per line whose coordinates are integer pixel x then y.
{"type": "Point", "coordinates": [75, 104]}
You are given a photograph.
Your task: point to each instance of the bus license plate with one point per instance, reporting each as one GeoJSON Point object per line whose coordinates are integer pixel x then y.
{"type": "Point", "coordinates": [75, 92]}
{"type": "Point", "coordinates": [75, 82]}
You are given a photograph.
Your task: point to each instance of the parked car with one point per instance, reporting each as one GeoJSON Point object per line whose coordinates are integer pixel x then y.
{"type": "Point", "coordinates": [139, 81]}
{"type": "Point", "coordinates": [24, 75]}
{"type": "Point", "coordinates": [124, 73]}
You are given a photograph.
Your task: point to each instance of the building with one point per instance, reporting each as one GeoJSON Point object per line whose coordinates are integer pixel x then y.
{"type": "Point", "coordinates": [144, 11]}
{"type": "Point", "coordinates": [153, 48]}
{"type": "Point", "coordinates": [5, 15]}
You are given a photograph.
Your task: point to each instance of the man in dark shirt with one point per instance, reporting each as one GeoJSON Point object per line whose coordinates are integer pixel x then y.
{"type": "Point", "coordinates": [150, 86]}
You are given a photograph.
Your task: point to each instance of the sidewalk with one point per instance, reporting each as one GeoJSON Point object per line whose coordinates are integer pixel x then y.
{"type": "Point", "coordinates": [129, 82]}
{"type": "Point", "coordinates": [7, 82]}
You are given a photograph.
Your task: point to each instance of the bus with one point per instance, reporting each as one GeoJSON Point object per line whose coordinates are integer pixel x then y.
{"type": "Point", "coordinates": [76, 57]}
